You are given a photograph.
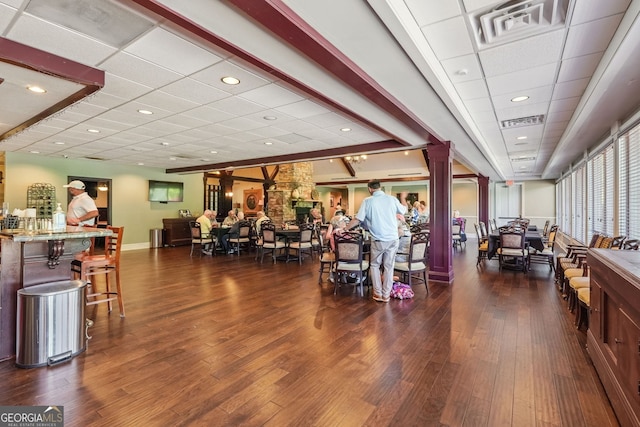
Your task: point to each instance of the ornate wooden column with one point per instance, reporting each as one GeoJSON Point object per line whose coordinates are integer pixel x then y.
{"type": "Point", "coordinates": [440, 176]}
{"type": "Point", "coordinates": [483, 199]}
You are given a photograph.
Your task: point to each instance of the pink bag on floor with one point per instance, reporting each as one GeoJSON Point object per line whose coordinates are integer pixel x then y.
{"type": "Point", "coordinates": [401, 291]}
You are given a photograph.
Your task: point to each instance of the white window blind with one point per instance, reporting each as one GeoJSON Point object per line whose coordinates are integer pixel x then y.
{"type": "Point", "coordinates": [566, 203]}
{"type": "Point", "coordinates": [578, 203]}
{"type": "Point", "coordinates": [596, 199]}
{"type": "Point", "coordinates": [629, 183]}
{"type": "Point", "coordinates": [609, 187]}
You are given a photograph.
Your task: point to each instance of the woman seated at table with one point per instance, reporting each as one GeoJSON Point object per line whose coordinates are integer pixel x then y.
{"type": "Point", "coordinates": [337, 222]}
{"type": "Point", "coordinates": [402, 255]}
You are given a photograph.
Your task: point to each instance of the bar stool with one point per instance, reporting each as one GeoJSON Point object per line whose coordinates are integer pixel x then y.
{"type": "Point", "coordinates": [85, 266]}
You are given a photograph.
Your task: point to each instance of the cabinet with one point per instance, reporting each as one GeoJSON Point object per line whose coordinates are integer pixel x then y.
{"type": "Point", "coordinates": [613, 338]}
{"type": "Point", "coordinates": [177, 231]}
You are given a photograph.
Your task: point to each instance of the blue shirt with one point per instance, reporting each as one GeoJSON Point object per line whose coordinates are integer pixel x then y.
{"type": "Point", "coordinates": [378, 212]}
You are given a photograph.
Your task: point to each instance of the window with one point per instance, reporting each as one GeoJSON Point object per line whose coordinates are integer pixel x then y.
{"type": "Point", "coordinates": [629, 183]}
{"type": "Point", "coordinates": [578, 205]}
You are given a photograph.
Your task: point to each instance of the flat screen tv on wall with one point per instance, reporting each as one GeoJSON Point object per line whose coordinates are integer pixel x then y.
{"type": "Point", "coordinates": [165, 191]}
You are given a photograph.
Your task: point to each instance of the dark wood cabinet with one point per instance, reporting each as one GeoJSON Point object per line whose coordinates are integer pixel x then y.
{"type": "Point", "coordinates": [177, 231]}
{"type": "Point", "coordinates": [613, 338]}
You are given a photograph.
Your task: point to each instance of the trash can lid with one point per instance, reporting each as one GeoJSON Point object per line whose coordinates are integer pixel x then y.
{"type": "Point", "coordinates": [53, 287]}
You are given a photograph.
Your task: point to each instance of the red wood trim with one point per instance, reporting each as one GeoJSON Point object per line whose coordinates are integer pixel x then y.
{"type": "Point", "coordinates": [278, 18]}
{"type": "Point", "coordinates": [347, 165]}
{"type": "Point", "coordinates": [24, 56]}
{"type": "Point", "coordinates": [310, 155]}
{"type": "Point", "coordinates": [364, 181]}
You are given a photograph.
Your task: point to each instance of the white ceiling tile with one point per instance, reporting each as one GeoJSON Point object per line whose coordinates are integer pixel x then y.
{"type": "Point", "coordinates": [472, 89]}
{"type": "Point", "coordinates": [271, 95]}
{"type": "Point", "coordinates": [479, 105]}
{"type": "Point", "coordinates": [590, 10]}
{"type": "Point", "coordinates": [243, 124]}
{"type": "Point", "coordinates": [564, 104]}
{"type": "Point", "coordinates": [449, 38]}
{"type": "Point", "coordinates": [6, 16]}
{"type": "Point", "coordinates": [302, 109]}
{"type": "Point", "coordinates": [590, 37]}
{"type": "Point", "coordinates": [54, 39]}
{"type": "Point", "coordinates": [123, 88]}
{"type": "Point", "coordinates": [580, 67]}
{"type": "Point", "coordinates": [184, 58]}
{"type": "Point", "coordinates": [570, 89]}
{"type": "Point", "coordinates": [471, 5]}
{"type": "Point", "coordinates": [208, 114]}
{"type": "Point", "coordinates": [161, 100]}
{"type": "Point", "coordinates": [544, 75]}
{"type": "Point", "coordinates": [523, 54]}
{"type": "Point", "coordinates": [463, 68]}
{"type": "Point", "coordinates": [518, 111]}
{"type": "Point", "coordinates": [429, 11]}
{"type": "Point", "coordinates": [236, 106]}
{"type": "Point", "coordinates": [195, 91]}
{"type": "Point", "coordinates": [138, 70]}
{"type": "Point", "coordinates": [213, 75]}
{"type": "Point", "coordinates": [536, 96]}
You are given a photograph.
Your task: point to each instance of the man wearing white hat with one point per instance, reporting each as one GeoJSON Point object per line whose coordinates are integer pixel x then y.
{"type": "Point", "coordinates": [82, 209]}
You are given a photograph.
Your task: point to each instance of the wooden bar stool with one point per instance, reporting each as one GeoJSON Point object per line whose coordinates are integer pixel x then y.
{"type": "Point", "coordinates": [86, 265]}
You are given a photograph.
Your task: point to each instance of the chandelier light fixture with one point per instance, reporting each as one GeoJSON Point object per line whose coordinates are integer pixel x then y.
{"type": "Point", "coordinates": [356, 159]}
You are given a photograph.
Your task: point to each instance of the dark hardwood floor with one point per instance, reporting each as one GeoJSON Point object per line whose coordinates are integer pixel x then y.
{"type": "Point", "coordinates": [227, 341]}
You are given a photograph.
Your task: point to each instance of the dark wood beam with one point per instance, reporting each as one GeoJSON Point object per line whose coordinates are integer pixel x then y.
{"type": "Point", "coordinates": [348, 166]}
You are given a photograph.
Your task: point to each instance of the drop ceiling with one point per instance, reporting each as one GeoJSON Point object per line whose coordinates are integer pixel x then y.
{"type": "Point", "coordinates": [399, 75]}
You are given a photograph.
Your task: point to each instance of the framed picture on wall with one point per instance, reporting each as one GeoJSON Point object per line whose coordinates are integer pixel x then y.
{"type": "Point", "coordinates": [252, 200]}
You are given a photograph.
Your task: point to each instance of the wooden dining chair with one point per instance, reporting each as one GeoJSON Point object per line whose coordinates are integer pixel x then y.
{"type": "Point", "coordinates": [546, 255]}
{"type": "Point", "coordinates": [417, 261]}
{"type": "Point", "coordinates": [303, 243]}
{"type": "Point", "coordinates": [349, 249]}
{"type": "Point", "coordinates": [198, 241]}
{"type": "Point", "coordinates": [327, 256]}
{"type": "Point", "coordinates": [270, 242]}
{"type": "Point", "coordinates": [86, 267]}
{"type": "Point", "coordinates": [512, 251]}
{"type": "Point", "coordinates": [483, 244]}
{"type": "Point", "coordinates": [244, 236]}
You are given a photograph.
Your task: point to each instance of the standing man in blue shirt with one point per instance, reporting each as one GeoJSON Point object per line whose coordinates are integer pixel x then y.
{"type": "Point", "coordinates": [378, 214]}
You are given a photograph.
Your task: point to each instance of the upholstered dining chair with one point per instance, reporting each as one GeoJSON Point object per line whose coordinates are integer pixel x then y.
{"type": "Point", "coordinates": [349, 249]}
{"type": "Point", "coordinates": [270, 241]}
{"type": "Point", "coordinates": [327, 256]}
{"type": "Point", "coordinates": [244, 236]}
{"type": "Point", "coordinates": [417, 261]}
{"type": "Point", "coordinates": [483, 244]}
{"type": "Point", "coordinates": [546, 255]}
{"type": "Point", "coordinates": [512, 250]}
{"type": "Point", "coordinates": [303, 244]}
{"type": "Point", "coordinates": [85, 267]}
{"type": "Point", "coordinates": [198, 241]}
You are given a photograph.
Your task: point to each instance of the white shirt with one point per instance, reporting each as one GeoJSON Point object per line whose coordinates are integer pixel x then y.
{"type": "Point", "coordinates": [79, 206]}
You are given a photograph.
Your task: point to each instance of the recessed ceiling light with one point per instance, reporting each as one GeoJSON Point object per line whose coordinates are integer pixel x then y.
{"type": "Point", "coordinates": [59, 143]}
{"type": "Point", "coordinates": [330, 160]}
{"type": "Point", "coordinates": [230, 80]}
{"type": "Point", "coordinates": [520, 143]}
{"type": "Point", "coordinates": [93, 130]}
{"type": "Point", "coordinates": [34, 152]}
{"type": "Point", "coordinates": [213, 152]}
{"type": "Point", "coordinates": [462, 72]}
{"type": "Point", "coordinates": [406, 153]}
{"type": "Point", "coordinates": [145, 112]}
{"type": "Point", "coordinates": [346, 129]}
{"type": "Point", "coordinates": [172, 158]}
{"type": "Point", "coordinates": [268, 143]}
{"type": "Point", "coordinates": [519, 98]}
{"type": "Point", "coordinates": [140, 164]}
{"type": "Point", "coordinates": [36, 89]}
{"type": "Point", "coordinates": [521, 137]}
{"type": "Point", "coordinates": [270, 118]}
{"type": "Point", "coordinates": [164, 143]}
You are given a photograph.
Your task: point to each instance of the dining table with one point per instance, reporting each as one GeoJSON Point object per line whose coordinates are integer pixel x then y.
{"type": "Point", "coordinates": [532, 238]}
{"type": "Point", "coordinates": [289, 235]}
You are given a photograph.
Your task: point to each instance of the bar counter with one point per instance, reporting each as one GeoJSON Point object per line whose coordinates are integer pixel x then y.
{"type": "Point", "coordinates": [30, 258]}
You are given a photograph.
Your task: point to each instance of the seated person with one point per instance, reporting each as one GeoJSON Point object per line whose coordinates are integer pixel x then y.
{"type": "Point", "coordinates": [402, 255]}
{"type": "Point", "coordinates": [338, 222]}
{"type": "Point", "coordinates": [339, 211]}
{"type": "Point", "coordinates": [207, 221]}
{"type": "Point", "coordinates": [423, 216]}
{"type": "Point", "coordinates": [316, 216]}
{"type": "Point", "coordinates": [230, 219]}
{"type": "Point", "coordinates": [260, 218]}
{"type": "Point", "coordinates": [233, 233]}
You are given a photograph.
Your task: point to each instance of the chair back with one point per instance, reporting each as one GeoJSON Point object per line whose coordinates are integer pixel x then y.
{"type": "Point", "coordinates": [478, 232]}
{"type": "Point", "coordinates": [268, 230]}
{"type": "Point", "coordinates": [545, 229]}
{"type": "Point", "coordinates": [244, 229]}
{"type": "Point", "coordinates": [419, 248]}
{"type": "Point", "coordinates": [196, 231]}
{"type": "Point", "coordinates": [492, 225]}
{"type": "Point", "coordinates": [349, 247]}
{"type": "Point", "coordinates": [617, 242]}
{"type": "Point", "coordinates": [631, 245]}
{"type": "Point", "coordinates": [306, 231]}
{"type": "Point", "coordinates": [552, 235]}
{"type": "Point", "coordinates": [483, 230]}
{"type": "Point", "coordinates": [512, 239]}
{"type": "Point", "coordinates": [113, 243]}
{"type": "Point", "coordinates": [455, 229]}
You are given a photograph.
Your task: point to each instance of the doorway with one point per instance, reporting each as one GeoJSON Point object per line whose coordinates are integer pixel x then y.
{"type": "Point", "coordinates": [99, 189]}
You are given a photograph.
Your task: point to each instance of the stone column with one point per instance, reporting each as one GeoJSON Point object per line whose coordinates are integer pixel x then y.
{"type": "Point", "coordinates": [292, 176]}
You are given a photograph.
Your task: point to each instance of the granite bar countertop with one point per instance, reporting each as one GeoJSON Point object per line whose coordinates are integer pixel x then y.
{"type": "Point", "coordinates": [72, 232]}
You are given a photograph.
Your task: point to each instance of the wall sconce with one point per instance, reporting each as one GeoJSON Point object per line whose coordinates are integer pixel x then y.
{"type": "Point", "coordinates": [229, 194]}
{"type": "Point", "coordinates": [356, 159]}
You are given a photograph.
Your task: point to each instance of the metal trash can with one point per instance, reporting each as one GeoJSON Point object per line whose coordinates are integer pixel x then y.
{"type": "Point", "coordinates": [155, 239]}
{"type": "Point", "coordinates": [50, 323]}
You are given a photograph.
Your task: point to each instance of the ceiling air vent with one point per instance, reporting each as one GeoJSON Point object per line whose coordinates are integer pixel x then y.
{"type": "Point", "coordinates": [94, 158]}
{"type": "Point", "coordinates": [515, 19]}
{"type": "Point", "coordinates": [522, 121]}
{"type": "Point", "coordinates": [523, 158]}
